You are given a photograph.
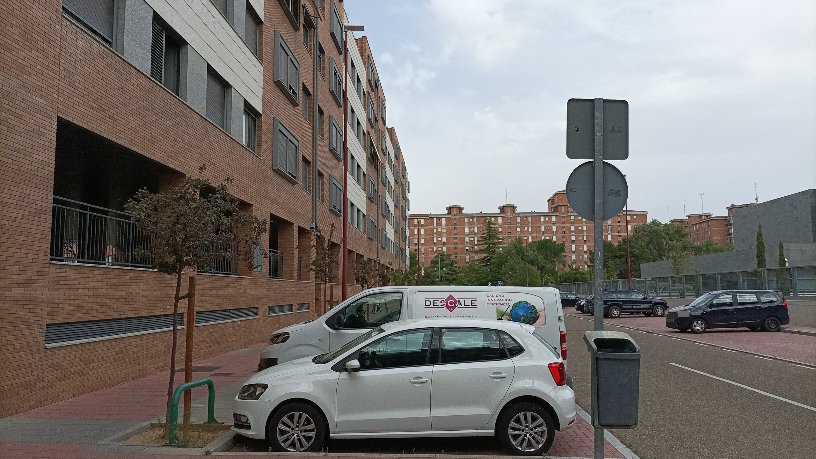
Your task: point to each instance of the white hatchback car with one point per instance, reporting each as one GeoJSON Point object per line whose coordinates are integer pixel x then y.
{"type": "Point", "coordinates": [424, 378]}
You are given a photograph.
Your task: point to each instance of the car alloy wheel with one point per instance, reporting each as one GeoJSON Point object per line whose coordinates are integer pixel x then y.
{"type": "Point", "coordinates": [614, 312]}
{"type": "Point", "coordinates": [658, 310]}
{"type": "Point", "coordinates": [296, 428]}
{"type": "Point", "coordinates": [526, 429]}
{"type": "Point", "coordinates": [772, 324]}
{"type": "Point", "coordinates": [698, 325]}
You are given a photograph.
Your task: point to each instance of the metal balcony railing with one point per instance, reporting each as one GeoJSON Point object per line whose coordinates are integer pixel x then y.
{"type": "Point", "coordinates": [84, 233]}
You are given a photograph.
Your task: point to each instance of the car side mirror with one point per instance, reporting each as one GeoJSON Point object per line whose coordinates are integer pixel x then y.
{"type": "Point", "coordinates": [352, 366]}
{"type": "Point", "coordinates": [338, 321]}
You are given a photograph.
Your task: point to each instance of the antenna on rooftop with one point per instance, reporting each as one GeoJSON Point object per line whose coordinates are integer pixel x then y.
{"type": "Point", "coordinates": [702, 211]}
{"type": "Point", "coordinates": [756, 195]}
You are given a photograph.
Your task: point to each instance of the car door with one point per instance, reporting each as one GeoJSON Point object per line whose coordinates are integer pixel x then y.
{"type": "Point", "coordinates": [392, 390]}
{"type": "Point", "coordinates": [719, 311]}
{"type": "Point", "coordinates": [362, 315]}
{"type": "Point", "coordinates": [746, 311]}
{"type": "Point", "coordinates": [470, 380]}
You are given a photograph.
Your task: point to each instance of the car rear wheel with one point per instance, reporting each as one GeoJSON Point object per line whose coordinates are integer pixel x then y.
{"type": "Point", "coordinates": [772, 324]}
{"type": "Point", "coordinates": [614, 312]}
{"type": "Point", "coordinates": [296, 428]}
{"type": "Point", "coordinates": [698, 326]}
{"type": "Point", "coordinates": [526, 429]}
{"type": "Point", "coordinates": [659, 310]}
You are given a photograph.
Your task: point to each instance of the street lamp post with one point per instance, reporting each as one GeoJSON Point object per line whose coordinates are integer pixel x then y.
{"type": "Point", "coordinates": [344, 278]}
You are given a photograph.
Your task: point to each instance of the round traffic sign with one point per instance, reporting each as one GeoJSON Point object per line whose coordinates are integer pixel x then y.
{"type": "Point", "coordinates": [581, 190]}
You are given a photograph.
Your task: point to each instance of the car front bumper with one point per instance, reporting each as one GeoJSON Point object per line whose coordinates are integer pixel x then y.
{"type": "Point", "coordinates": [255, 414]}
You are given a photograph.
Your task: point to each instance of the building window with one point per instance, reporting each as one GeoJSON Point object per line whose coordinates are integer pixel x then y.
{"type": "Point", "coordinates": [216, 98]}
{"type": "Point", "coordinates": [165, 50]}
{"type": "Point", "coordinates": [250, 137]}
{"type": "Point", "coordinates": [321, 187]}
{"type": "Point", "coordinates": [286, 152]}
{"type": "Point", "coordinates": [252, 27]}
{"type": "Point", "coordinates": [308, 110]}
{"type": "Point", "coordinates": [335, 138]}
{"type": "Point", "coordinates": [292, 10]}
{"type": "Point", "coordinates": [305, 173]}
{"type": "Point", "coordinates": [336, 29]}
{"type": "Point", "coordinates": [221, 5]}
{"type": "Point", "coordinates": [372, 189]}
{"type": "Point", "coordinates": [321, 121]}
{"type": "Point", "coordinates": [95, 15]}
{"type": "Point", "coordinates": [335, 196]}
{"type": "Point", "coordinates": [321, 60]}
{"type": "Point", "coordinates": [287, 69]}
{"type": "Point", "coordinates": [308, 33]}
{"type": "Point", "coordinates": [336, 83]}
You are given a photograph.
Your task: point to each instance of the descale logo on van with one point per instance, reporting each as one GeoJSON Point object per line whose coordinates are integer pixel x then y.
{"type": "Point", "coordinates": [450, 303]}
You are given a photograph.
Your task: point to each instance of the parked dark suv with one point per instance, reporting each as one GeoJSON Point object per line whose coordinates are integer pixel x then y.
{"type": "Point", "coordinates": [569, 299]}
{"type": "Point", "coordinates": [617, 302]}
{"type": "Point", "coordinates": [755, 309]}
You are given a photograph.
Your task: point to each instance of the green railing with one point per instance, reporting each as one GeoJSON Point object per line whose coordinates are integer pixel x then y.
{"type": "Point", "coordinates": [173, 421]}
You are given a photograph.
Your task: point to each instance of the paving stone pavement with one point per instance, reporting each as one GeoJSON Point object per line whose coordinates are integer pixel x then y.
{"type": "Point", "coordinates": [88, 426]}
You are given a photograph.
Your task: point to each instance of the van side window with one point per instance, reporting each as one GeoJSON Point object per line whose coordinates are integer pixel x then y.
{"type": "Point", "coordinates": [768, 297]}
{"type": "Point", "coordinates": [373, 310]}
{"type": "Point", "coordinates": [724, 299]}
{"type": "Point", "coordinates": [746, 298]}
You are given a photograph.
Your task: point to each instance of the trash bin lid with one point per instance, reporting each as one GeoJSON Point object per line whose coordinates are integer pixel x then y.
{"type": "Point", "coordinates": [614, 342]}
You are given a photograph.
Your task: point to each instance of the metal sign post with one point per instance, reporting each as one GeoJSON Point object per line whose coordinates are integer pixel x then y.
{"type": "Point", "coordinates": [608, 123]}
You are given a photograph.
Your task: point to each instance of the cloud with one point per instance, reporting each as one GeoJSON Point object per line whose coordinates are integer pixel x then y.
{"type": "Point", "coordinates": [408, 77]}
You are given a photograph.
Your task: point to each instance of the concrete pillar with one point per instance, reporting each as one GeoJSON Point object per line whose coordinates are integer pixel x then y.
{"type": "Point", "coordinates": [135, 22]}
{"type": "Point", "coordinates": [193, 84]}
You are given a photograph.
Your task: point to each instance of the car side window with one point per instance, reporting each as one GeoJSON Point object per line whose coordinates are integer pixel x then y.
{"type": "Point", "coordinates": [746, 298]}
{"type": "Point", "coordinates": [768, 297]}
{"type": "Point", "coordinates": [470, 345]}
{"type": "Point", "coordinates": [401, 349]}
{"type": "Point", "coordinates": [724, 299]}
{"type": "Point", "coordinates": [512, 346]}
{"type": "Point", "coordinates": [372, 310]}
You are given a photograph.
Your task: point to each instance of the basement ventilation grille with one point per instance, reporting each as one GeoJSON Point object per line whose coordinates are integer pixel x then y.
{"type": "Point", "coordinates": [95, 330]}
{"type": "Point", "coordinates": [280, 309]}
{"type": "Point", "coordinates": [303, 307]}
{"type": "Point", "coordinates": [225, 315]}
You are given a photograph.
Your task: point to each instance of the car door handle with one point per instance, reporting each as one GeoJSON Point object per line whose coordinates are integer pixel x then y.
{"type": "Point", "coordinates": [418, 380]}
{"type": "Point", "coordinates": [497, 375]}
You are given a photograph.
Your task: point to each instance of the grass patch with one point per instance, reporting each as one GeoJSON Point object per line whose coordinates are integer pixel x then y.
{"type": "Point", "coordinates": [199, 436]}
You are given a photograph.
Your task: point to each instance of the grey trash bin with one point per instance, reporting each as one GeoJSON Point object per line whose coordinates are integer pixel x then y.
{"type": "Point", "coordinates": [615, 378]}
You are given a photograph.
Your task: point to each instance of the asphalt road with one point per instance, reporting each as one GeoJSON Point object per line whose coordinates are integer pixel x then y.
{"type": "Point", "coordinates": [685, 413]}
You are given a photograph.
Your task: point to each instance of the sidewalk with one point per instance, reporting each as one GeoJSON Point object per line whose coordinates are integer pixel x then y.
{"type": "Point", "coordinates": [799, 330]}
{"type": "Point", "coordinates": [93, 425]}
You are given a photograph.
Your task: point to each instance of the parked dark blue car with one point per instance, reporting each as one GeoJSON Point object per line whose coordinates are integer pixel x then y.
{"type": "Point", "coordinates": [755, 309]}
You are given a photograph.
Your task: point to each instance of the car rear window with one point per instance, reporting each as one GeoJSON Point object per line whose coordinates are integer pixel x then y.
{"type": "Point", "coordinates": [768, 297]}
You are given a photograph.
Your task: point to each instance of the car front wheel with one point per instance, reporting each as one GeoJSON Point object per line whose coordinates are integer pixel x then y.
{"type": "Point", "coordinates": [698, 326]}
{"type": "Point", "coordinates": [526, 429]}
{"type": "Point", "coordinates": [614, 312]}
{"type": "Point", "coordinates": [296, 428]}
{"type": "Point", "coordinates": [772, 324]}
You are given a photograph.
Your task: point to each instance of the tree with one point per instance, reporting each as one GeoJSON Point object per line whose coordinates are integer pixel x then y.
{"type": "Point", "coordinates": [574, 275]}
{"type": "Point", "coordinates": [191, 227]}
{"type": "Point", "coordinates": [760, 249]}
{"type": "Point", "coordinates": [545, 255]}
{"type": "Point", "coordinates": [489, 242]}
{"type": "Point", "coordinates": [709, 246]}
{"type": "Point", "coordinates": [325, 261]}
{"type": "Point", "coordinates": [441, 271]}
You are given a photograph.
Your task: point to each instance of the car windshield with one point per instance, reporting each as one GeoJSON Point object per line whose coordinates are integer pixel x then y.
{"type": "Point", "coordinates": [328, 357]}
{"type": "Point", "coordinates": [702, 299]}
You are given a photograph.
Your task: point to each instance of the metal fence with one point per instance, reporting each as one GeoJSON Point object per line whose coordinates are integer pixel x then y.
{"type": "Point", "coordinates": [793, 282]}
{"type": "Point", "coordinates": [83, 233]}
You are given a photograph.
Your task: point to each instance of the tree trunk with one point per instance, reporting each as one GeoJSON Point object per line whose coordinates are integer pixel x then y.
{"type": "Point", "coordinates": [188, 355]}
{"type": "Point", "coordinates": [171, 383]}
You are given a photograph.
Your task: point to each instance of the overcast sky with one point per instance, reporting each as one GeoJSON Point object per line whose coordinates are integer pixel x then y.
{"type": "Point", "coordinates": [722, 95]}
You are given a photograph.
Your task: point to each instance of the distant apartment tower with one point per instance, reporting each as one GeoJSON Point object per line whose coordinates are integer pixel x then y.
{"type": "Point", "coordinates": [457, 233]}
{"type": "Point", "coordinates": [101, 98]}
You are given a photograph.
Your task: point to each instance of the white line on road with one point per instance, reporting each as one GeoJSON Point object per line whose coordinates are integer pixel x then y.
{"type": "Point", "coordinates": [745, 387]}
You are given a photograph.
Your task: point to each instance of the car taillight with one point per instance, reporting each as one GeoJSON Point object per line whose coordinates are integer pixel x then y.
{"type": "Point", "coordinates": [785, 304]}
{"type": "Point", "coordinates": [558, 372]}
{"type": "Point", "coordinates": [564, 345]}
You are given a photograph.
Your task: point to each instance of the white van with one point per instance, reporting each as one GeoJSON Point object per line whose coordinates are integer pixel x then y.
{"type": "Point", "coordinates": [538, 306]}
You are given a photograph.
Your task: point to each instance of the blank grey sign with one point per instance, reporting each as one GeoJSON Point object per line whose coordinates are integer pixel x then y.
{"type": "Point", "coordinates": [581, 129]}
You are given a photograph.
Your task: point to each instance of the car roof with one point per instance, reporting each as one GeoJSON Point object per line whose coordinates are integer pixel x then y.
{"type": "Point", "coordinates": [455, 323]}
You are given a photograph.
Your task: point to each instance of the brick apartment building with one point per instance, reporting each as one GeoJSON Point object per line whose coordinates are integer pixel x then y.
{"type": "Point", "coordinates": [707, 227]}
{"type": "Point", "coordinates": [456, 233]}
{"type": "Point", "coordinates": [103, 97]}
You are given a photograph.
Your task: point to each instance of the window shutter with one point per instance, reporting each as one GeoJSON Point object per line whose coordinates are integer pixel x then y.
{"type": "Point", "coordinates": [97, 14]}
{"type": "Point", "coordinates": [281, 142]}
{"type": "Point", "coordinates": [216, 98]}
{"type": "Point", "coordinates": [251, 28]}
{"type": "Point", "coordinates": [292, 158]}
{"type": "Point", "coordinates": [293, 79]}
{"type": "Point", "coordinates": [157, 52]}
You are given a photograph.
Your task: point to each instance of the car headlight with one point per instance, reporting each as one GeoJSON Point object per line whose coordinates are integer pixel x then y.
{"type": "Point", "coordinates": [252, 391]}
{"type": "Point", "coordinates": [279, 338]}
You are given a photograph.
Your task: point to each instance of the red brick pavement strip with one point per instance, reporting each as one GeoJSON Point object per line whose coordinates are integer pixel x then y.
{"type": "Point", "coordinates": [144, 400]}
{"type": "Point", "coordinates": [792, 347]}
